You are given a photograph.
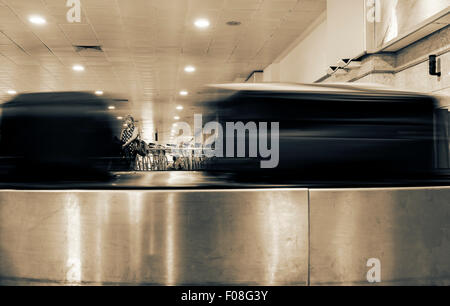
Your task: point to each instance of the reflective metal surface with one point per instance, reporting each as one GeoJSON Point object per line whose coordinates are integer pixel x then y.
{"type": "Point", "coordinates": [154, 237]}
{"type": "Point", "coordinates": [407, 229]}
{"type": "Point", "coordinates": [225, 236]}
{"type": "Point", "coordinates": [195, 180]}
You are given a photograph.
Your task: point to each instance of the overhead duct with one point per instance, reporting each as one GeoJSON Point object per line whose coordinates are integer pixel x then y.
{"type": "Point", "coordinates": [88, 49]}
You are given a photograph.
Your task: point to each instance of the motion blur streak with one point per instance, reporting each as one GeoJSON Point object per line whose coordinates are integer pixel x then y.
{"type": "Point", "coordinates": [327, 132]}
{"type": "Point", "coordinates": [49, 136]}
{"type": "Point", "coordinates": [332, 130]}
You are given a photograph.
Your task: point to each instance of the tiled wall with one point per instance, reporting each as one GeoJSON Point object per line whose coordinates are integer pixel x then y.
{"type": "Point", "coordinates": [417, 76]}
{"type": "Point", "coordinates": [408, 68]}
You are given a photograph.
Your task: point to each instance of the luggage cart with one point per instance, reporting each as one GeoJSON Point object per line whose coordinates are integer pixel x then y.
{"type": "Point", "coordinates": [158, 158]}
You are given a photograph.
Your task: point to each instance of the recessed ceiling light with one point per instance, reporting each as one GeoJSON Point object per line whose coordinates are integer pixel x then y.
{"type": "Point", "coordinates": [202, 23]}
{"type": "Point", "coordinates": [119, 118]}
{"type": "Point", "coordinates": [183, 93]}
{"type": "Point", "coordinates": [189, 68]}
{"type": "Point", "coordinates": [179, 107]}
{"type": "Point", "coordinates": [99, 92]}
{"type": "Point", "coordinates": [11, 92]}
{"type": "Point", "coordinates": [176, 117]}
{"type": "Point", "coordinates": [78, 68]}
{"type": "Point", "coordinates": [111, 107]}
{"type": "Point", "coordinates": [37, 20]}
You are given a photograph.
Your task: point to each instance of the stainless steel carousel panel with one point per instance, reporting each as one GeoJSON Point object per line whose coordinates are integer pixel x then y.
{"type": "Point", "coordinates": [406, 229]}
{"type": "Point", "coordinates": [154, 237]}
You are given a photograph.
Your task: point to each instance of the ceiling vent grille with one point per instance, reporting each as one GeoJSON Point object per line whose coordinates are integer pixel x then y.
{"type": "Point", "coordinates": [88, 48]}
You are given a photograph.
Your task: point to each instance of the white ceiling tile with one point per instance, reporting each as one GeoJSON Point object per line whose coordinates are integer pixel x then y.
{"type": "Point", "coordinates": [311, 5]}
{"type": "Point", "coordinates": [146, 45]}
{"type": "Point", "coordinates": [243, 4]}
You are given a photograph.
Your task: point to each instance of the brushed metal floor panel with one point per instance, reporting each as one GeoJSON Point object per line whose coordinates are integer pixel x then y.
{"type": "Point", "coordinates": [408, 229]}
{"type": "Point", "coordinates": [154, 237]}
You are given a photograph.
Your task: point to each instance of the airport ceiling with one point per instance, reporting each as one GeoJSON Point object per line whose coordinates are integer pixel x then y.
{"type": "Point", "coordinates": [145, 47]}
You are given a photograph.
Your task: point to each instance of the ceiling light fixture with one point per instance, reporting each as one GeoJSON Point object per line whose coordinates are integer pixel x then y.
{"type": "Point", "coordinates": [202, 23]}
{"type": "Point", "coordinates": [99, 92]}
{"type": "Point", "coordinates": [11, 92]}
{"type": "Point", "coordinates": [179, 107]}
{"type": "Point", "coordinates": [183, 93]}
{"type": "Point", "coordinates": [111, 107]}
{"type": "Point", "coordinates": [119, 118]}
{"type": "Point", "coordinates": [189, 68]}
{"type": "Point", "coordinates": [78, 68]}
{"type": "Point", "coordinates": [37, 20]}
{"type": "Point", "coordinates": [176, 117]}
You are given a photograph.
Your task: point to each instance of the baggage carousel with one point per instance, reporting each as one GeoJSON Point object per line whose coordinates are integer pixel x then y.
{"type": "Point", "coordinates": [194, 228]}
